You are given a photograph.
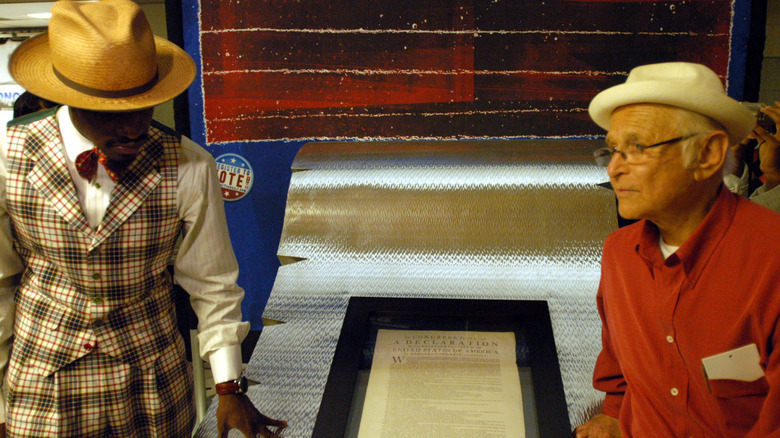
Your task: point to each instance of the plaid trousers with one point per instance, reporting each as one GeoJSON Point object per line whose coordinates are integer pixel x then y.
{"type": "Point", "coordinates": [99, 396]}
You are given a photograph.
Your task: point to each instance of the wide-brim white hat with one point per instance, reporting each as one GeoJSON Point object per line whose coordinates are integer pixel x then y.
{"type": "Point", "coordinates": [685, 85]}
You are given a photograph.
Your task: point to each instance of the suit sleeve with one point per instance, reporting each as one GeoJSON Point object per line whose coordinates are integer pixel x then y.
{"type": "Point", "coordinates": [10, 267]}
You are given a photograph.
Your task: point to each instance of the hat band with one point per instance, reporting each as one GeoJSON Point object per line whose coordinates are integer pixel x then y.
{"type": "Point", "coordinates": [96, 92]}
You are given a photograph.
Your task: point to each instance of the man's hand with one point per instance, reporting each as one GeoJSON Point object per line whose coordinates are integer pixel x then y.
{"type": "Point", "coordinates": [769, 148]}
{"type": "Point", "coordinates": [742, 153]}
{"type": "Point", "coordinates": [600, 426]}
{"type": "Point", "coordinates": [236, 411]}
{"type": "Point", "coordinates": [2, 430]}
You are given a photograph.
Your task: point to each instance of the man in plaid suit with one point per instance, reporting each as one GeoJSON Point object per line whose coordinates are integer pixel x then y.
{"type": "Point", "coordinates": [95, 201]}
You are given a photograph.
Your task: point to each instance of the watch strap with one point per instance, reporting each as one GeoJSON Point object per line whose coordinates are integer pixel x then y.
{"type": "Point", "coordinates": [238, 386]}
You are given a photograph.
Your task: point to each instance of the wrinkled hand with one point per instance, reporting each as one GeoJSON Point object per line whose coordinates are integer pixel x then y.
{"type": "Point", "coordinates": [236, 411]}
{"type": "Point", "coordinates": [600, 426]}
{"type": "Point", "coordinates": [769, 148]}
{"type": "Point", "coordinates": [742, 153]}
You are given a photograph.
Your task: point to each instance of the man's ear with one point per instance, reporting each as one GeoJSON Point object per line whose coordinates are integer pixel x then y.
{"type": "Point", "coordinates": [712, 156]}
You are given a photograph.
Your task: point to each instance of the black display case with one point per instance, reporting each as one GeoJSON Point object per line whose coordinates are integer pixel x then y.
{"type": "Point", "coordinates": [544, 403]}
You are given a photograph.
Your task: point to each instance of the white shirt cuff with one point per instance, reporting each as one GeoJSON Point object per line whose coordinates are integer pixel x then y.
{"type": "Point", "coordinates": [226, 364]}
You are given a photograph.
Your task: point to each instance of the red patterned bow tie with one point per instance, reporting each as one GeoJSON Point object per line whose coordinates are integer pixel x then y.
{"type": "Point", "coordinates": [87, 161]}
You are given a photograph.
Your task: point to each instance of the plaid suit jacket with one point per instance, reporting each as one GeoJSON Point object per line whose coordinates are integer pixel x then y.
{"type": "Point", "coordinates": [84, 288]}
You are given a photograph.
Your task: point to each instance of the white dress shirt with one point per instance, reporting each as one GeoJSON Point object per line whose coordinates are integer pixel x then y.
{"type": "Point", "coordinates": [204, 265]}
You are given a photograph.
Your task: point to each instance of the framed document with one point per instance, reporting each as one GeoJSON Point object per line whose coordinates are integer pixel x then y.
{"type": "Point", "coordinates": [465, 353]}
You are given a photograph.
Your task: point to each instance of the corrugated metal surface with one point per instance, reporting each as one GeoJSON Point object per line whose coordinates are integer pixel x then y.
{"type": "Point", "coordinates": [508, 220]}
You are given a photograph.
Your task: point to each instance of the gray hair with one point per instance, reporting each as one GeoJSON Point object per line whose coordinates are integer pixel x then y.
{"type": "Point", "coordinates": [689, 121]}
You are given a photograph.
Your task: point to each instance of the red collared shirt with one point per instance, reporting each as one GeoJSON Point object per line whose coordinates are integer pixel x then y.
{"type": "Point", "coordinates": [718, 292]}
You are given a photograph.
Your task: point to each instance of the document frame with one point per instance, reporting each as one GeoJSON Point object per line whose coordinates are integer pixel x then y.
{"type": "Point", "coordinates": [529, 319]}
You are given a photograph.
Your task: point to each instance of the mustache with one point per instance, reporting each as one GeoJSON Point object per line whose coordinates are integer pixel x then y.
{"type": "Point", "coordinates": [127, 140]}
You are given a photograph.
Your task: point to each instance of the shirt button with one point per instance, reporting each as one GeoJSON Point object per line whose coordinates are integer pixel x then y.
{"type": "Point", "coordinates": [675, 392]}
{"type": "Point", "coordinates": [96, 276]}
{"type": "Point", "coordinates": [669, 339]}
{"type": "Point", "coordinates": [97, 323]}
{"type": "Point", "coordinates": [97, 185]}
{"type": "Point", "coordinates": [88, 347]}
{"type": "Point", "coordinates": [97, 300]}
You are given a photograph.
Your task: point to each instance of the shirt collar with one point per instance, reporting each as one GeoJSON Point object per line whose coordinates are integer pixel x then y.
{"type": "Point", "coordinates": [694, 252]}
{"type": "Point", "coordinates": [74, 143]}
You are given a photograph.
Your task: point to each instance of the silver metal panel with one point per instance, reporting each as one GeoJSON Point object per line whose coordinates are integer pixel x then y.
{"type": "Point", "coordinates": [511, 220]}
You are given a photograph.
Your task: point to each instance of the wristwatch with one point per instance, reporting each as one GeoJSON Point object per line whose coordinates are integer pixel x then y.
{"type": "Point", "coordinates": [238, 386]}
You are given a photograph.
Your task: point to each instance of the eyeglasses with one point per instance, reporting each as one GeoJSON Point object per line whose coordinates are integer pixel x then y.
{"type": "Point", "coordinates": [634, 153]}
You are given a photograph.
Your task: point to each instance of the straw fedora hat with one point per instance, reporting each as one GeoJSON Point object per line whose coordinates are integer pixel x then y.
{"type": "Point", "coordinates": [101, 56]}
{"type": "Point", "coordinates": [693, 87]}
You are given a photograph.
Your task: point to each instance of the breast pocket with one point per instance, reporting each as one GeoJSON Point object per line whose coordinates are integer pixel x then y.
{"type": "Point", "coordinates": [739, 401]}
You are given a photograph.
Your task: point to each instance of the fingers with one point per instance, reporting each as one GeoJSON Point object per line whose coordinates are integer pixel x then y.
{"type": "Point", "coordinates": [262, 427]}
{"type": "Point", "coordinates": [773, 112]}
{"type": "Point", "coordinates": [600, 426]}
{"type": "Point", "coordinates": [267, 433]}
{"type": "Point", "coordinates": [747, 141]}
{"type": "Point", "coordinates": [270, 421]}
{"type": "Point", "coordinates": [262, 424]}
{"type": "Point", "coordinates": [585, 431]}
{"type": "Point", "coordinates": [280, 429]}
{"type": "Point", "coordinates": [594, 432]}
{"type": "Point", "coordinates": [243, 425]}
{"type": "Point", "coordinates": [762, 135]}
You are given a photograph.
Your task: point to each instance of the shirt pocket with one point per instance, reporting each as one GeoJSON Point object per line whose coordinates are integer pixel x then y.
{"type": "Point", "coordinates": [739, 401]}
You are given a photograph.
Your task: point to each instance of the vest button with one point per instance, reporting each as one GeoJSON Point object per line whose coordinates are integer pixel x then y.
{"type": "Point", "coordinates": [96, 276]}
{"type": "Point", "coordinates": [88, 347]}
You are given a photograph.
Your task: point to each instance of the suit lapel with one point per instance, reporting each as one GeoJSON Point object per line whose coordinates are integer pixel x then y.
{"type": "Point", "coordinates": [49, 175]}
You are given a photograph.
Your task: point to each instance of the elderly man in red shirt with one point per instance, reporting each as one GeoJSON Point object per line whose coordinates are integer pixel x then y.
{"type": "Point", "coordinates": [690, 293]}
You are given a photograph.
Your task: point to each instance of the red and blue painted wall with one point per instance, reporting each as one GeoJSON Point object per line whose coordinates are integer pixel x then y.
{"type": "Point", "coordinates": [275, 74]}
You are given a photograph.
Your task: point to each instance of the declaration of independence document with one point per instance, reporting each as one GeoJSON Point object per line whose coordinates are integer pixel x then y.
{"type": "Point", "coordinates": [438, 384]}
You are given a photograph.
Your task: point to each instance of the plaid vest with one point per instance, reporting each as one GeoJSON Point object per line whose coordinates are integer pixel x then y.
{"type": "Point", "coordinates": [83, 288]}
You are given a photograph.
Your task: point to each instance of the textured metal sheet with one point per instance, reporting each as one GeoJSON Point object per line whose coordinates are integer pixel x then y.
{"type": "Point", "coordinates": [508, 220]}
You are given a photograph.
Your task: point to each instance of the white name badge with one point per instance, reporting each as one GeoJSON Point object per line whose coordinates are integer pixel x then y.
{"type": "Point", "coordinates": [738, 364]}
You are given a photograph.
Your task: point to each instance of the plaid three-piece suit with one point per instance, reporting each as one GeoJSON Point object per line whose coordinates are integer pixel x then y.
{"type": "Point", "coordinates": [96, 349]}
